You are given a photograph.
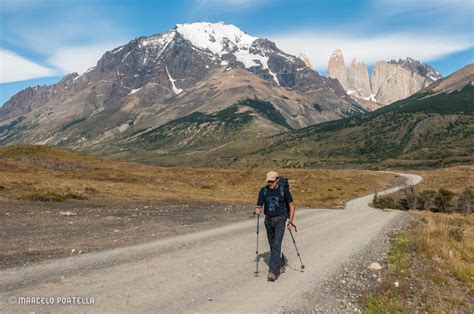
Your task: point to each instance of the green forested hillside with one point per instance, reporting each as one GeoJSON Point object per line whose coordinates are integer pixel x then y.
{"type": "Point", "coordinates": [423, 129]}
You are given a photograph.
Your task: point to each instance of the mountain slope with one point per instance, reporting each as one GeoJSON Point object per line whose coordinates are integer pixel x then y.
{"type": "Point", "coordinates": [153, 80]}
{"type": "Point", "coordinates": [432, 127]}
{"type": "Point", "coordinates": [200, 138]}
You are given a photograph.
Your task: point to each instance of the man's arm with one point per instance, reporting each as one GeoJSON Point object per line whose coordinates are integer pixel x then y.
{"type": "Point", "coordinates": [258, 209]}
{"type": "Point", "coordinates": [292, 211]}
{"type": "Point", "coordinates": [291, 205]}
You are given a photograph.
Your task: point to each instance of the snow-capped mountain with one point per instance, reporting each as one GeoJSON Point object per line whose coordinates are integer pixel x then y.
{"type": "Point", "coordinates": [150, 81]}
{"type": "Point", "coordinates": [227, 43]}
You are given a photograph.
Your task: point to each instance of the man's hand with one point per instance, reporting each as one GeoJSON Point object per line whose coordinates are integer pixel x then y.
{"type": "Point", "coordinates": [289, 225]}
{"type": "Point", "coordinates": [257, 211]}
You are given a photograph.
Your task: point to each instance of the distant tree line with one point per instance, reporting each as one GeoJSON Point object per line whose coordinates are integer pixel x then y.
{"type": "Point", "coordinates": [442, 200]}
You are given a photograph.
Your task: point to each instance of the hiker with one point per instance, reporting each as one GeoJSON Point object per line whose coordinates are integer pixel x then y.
{"type": "Point", "coordinates": [278, 209]}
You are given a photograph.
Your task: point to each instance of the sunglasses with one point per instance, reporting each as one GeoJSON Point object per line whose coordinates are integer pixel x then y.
{"type": "Point", "coordinates": [271, 181]}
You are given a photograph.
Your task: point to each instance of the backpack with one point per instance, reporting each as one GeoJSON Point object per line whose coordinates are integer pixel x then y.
{"type": "Point", "coordinates": [283, 183]}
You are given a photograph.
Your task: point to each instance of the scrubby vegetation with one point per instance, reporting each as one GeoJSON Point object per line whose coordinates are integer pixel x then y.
{"type": "Point", "coordinates": [441, 200]}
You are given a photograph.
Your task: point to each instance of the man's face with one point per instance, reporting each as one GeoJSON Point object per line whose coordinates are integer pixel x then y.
{"type": "Point", "coordinates": [272, 184]}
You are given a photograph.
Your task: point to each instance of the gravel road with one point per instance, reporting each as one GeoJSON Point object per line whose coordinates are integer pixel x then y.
{"type": "Point", "coordinates": [212, 270]}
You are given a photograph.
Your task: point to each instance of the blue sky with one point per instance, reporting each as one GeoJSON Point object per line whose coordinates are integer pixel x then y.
{"type": "Point", "coordinates": [42, 40]}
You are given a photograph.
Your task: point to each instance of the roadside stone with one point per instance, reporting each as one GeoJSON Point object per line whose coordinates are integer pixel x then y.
{"type": "Point", "coordinates": [375, 266]}
{"type": "Point", "coordinates": [67, 213]}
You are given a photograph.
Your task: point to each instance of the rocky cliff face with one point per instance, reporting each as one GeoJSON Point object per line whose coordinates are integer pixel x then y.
{"type": "Point", "coordinates": [337, 68]}
{"type": "Point", "coordinates": [358, 80]}
{"type": "Point", "coordinates": [395, 80]}
{"type": "Point", "coordinates": [389, 81]}
{"type": "Point", "coordinates": [150, 81]}
{"type": "Point", "coordinates": [306, 60]}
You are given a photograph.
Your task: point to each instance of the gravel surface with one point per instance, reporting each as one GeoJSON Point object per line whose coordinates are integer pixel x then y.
{"type": "Point", "coordinates": [213, 270]}
{"type": "Point", "coordinates": [354, 279]}
{"type": "Point", "coordinates": [32, 232]}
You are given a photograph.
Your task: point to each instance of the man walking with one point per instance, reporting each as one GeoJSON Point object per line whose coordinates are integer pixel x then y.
{"type": "Point", "coordinates": [278, 208]}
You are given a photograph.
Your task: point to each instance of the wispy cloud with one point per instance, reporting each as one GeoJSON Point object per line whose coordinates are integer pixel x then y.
{"type": "Point", "coordinates": [17, 5]}
{"type": "Point", "coordinates": [210, 9]}
{"type": "Point", "coordinates": [444, 7]}
{"type": "Point", "coordinates": [434, 16]}
{"type": "Point", "coordinates": [79, 58]}
{"type": "Point", "coordinates": [68, 37]}
{"type": "Point", "coordinates": [318, 46]}
{"type": "Point", "coordinates": [389, 29]}
{"type": "Point", "coordinates": [62, 28]}
{"type": "Point", "coordinates": [230, 3]}
{"type": "Point", "coordinates": [15, 68]}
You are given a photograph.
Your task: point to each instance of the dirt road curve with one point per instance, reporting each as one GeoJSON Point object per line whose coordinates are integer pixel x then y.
{"type": "Point", "coordinates": [206, 271]}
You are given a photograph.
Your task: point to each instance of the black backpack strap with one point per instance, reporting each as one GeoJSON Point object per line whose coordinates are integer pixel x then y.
{"type": "Point", "coordinates": [265, 192]}
{"type": "Point", "coordinates": [282, 193]}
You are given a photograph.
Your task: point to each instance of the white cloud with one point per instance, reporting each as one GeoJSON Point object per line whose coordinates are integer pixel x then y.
{"type": "Point", "coordinates": [79, 58]}
{"type": "Point", "coordinates": [69, 36]}
{"type": "Point", "coordinates": [318, 46]}
{"type": "Point", "coordinates": [18, 5]}
{"type": "Point", "coordinates": [230, 3]}
{"type": "Point", "coordinates": [215, 9]}
{"type": "Point", "coordinates": [423, 7]}
{"type": "Point", "coordinates": [63, 33]}
{"type": "Point", "coordinates": [455, 16]}
{"type": "Point", "coordinates": [15, 68]}
{"type": "Point", "coordinates": [62, 23]}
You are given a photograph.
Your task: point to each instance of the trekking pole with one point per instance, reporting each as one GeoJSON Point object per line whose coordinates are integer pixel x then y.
{"type": "Point", "coordinates": [297, 252]}
{"type": "Point", "coordinates": [257, 257]}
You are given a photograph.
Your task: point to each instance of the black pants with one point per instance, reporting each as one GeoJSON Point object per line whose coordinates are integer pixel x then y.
{"type": "Point", "coordinates": [275, 231]}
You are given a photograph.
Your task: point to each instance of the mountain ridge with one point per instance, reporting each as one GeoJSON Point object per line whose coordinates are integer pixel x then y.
{"type": "Point", "coordinates": [154, 79]}
{"type": "Point", "coordinates": [389, 81]}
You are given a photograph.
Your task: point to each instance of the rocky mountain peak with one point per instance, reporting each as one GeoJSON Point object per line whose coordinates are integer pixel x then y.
{"type": "Point", "coordinates": [358, 80]}
{"type": "Point", "coordinates": [356, 62]}
{"type": "Point", "coordinates": [337, 68]}
{"type": "Point", "coordinates": [218, 38]}
{"type": "Point", "coordinates": [306, 60]}
{"type": "Point", "coordinates": [388, 82]}
{"type": "Point", "coordinates": [418, 67]}
{"type": "Point", "coordinates": [337, 53]}
{"type": "Point", "coordinates": [152, 80]}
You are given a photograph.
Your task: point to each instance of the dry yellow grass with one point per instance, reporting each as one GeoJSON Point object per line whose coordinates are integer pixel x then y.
{"type": "Point", "coordinates": [433, 263]}
{"type": "Point", "coordinates": [433, 260]}
{"type": "Point", "coordinates": [31, 172]}
{"type": "Point", "coordinates": [455, 178]}
{"type": "Point", "coordinates": [449, 240]}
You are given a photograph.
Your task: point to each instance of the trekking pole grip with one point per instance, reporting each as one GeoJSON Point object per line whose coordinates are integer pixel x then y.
{"type": "Point", "coordinates": [296, 230]}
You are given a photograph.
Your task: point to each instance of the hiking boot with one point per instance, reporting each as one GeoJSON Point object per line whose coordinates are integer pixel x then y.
{"type": "Point", "coordinates": [271, 277]}
{"type": "Point", "coordinates": [282, 269]}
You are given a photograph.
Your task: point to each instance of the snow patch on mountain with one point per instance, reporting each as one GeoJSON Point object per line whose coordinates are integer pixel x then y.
{"type": "Point", "coordinates": [219, 38]}
{"type": "Point", "coordinates": [173, 86]}
{"type": "Point", "coordinates": [222, 39]}
{"type": "Point", "coordinates": [117, 49]}
{"type": "Point", "coordinates": [160, 40]}
{"type": "Point", "coordinates": [370, 98]}
{"type": "Point", "coordinates": [133, 91]}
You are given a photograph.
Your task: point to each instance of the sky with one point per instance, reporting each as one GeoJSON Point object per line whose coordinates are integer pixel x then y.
{"type": "Point", "coordinates": [43, 40]}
